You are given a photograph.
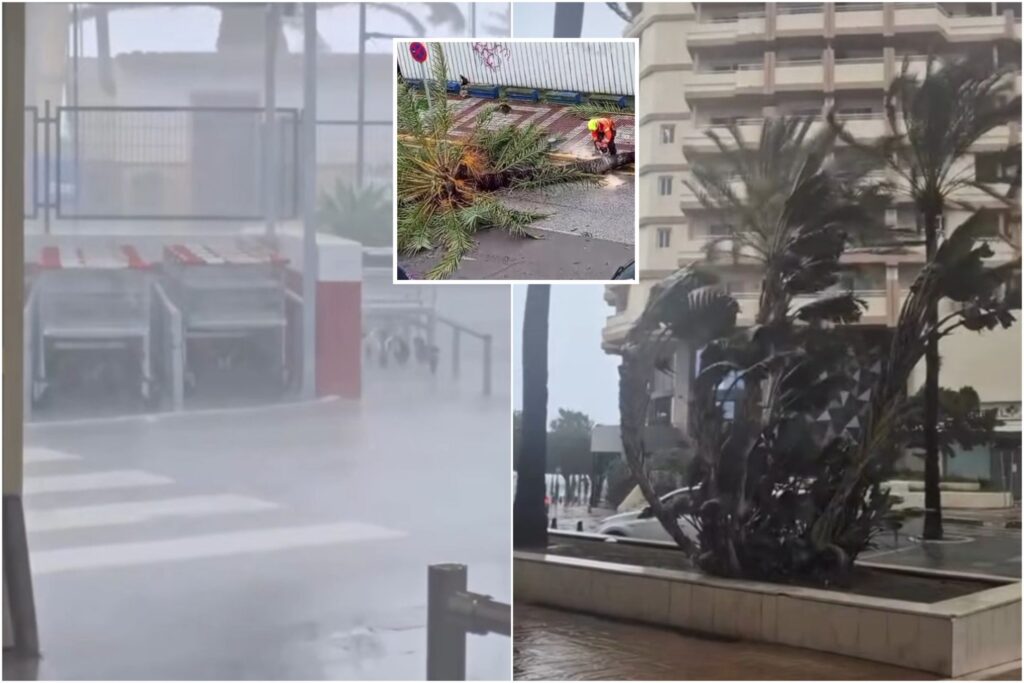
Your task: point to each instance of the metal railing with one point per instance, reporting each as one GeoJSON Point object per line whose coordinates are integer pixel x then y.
{"type": "Point", "coordinates": [155, 163]}
{"type": "Point", "coordinates": [457, 331]}
{"type": "Point", "coordinates": [170, 335]}
{"type": "Point", "coordinates": [452, 613]}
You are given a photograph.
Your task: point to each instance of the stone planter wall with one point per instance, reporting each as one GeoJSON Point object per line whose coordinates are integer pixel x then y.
{"type": "Point", "coordinates": [951, 638]}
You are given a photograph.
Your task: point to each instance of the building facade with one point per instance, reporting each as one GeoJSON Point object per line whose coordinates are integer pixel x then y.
{"type": "Point", "coordinates": [711, 64]}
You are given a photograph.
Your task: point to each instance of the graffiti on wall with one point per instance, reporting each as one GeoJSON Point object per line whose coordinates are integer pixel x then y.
{"type": "Point", "coordinates": [492, 55]}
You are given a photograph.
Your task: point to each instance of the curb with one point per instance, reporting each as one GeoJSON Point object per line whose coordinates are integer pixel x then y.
{"type": "Point", "coordinates": [972, 521]}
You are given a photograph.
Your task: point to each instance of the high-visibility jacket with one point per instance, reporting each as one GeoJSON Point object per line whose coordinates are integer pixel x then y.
{"type": "Point", "coordinates": [605, 130]}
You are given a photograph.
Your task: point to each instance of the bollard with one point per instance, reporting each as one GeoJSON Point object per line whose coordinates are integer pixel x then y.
{"type": "Point", "coordinates": [487, 364]}
{"type": "Point", "coordinates": [446, 637]}
{"type": "Point", "coordinates": [579, 525]}
{"type": "Point", "coordinates": [554, 522]}
{"type": "Point", "coordinates": [456, 338]}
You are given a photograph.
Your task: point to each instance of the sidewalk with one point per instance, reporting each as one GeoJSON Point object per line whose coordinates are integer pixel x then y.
{"type": "Point", "coordinates": [1003, 518]}
{"type": "Point", "coordinates": [555, 645]}
{"type": "Point", "coordinates": [555, 118]}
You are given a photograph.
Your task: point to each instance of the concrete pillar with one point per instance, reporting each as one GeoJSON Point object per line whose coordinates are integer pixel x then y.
{"type": "Point", "coordinates": [19, 603]}
{"type": "Point", "coordinates": [682, 364]}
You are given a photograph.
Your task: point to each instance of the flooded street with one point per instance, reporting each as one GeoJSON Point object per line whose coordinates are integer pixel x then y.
{"type": "Point", "coordinates": [282, 542]}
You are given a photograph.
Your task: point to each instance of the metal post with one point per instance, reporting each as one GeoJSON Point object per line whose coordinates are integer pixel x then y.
{"type": "Point", "coordinates": [361, 97]}
{"type": "Point", "coordinates": [472, 20]}
{"type": "Point", "coordinates": [487, 365]}
{"type": "Point", "coordinates": [46, 167]}
{"type": "Point", "coordinates": [446, 636]}
{"type": "Point", "coordinates": [456, 343]}
{"type": "Point", "coordinates": [310, 255]}
{"type": "Point", "coordinates": [270, 187]}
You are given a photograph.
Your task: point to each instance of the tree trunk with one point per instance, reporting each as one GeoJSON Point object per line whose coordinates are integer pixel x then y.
{"type": "Point", "coordinates": [932, 494]}
{"type": "Point", "coordinates": [529, 528]}
{"type": "Point", "coordinates": [568, 19]}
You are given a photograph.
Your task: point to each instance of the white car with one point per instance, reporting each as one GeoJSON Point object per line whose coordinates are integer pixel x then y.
{"type": "Point", "coordinates": [643, 524]}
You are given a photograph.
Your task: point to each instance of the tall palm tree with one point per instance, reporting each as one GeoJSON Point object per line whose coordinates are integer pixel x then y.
{"type": "Point", "coordinates": [933, 125]}
{"type": "Point", "coordinates": [529, 519]}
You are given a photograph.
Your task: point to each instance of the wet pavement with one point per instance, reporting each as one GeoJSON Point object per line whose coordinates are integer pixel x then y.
{"type": "Point", "coordinates": [586, 235]}
{"type": "Point", "coordinates": [282, 542]}
{"type": "Point", "coordinates": [556, 645]}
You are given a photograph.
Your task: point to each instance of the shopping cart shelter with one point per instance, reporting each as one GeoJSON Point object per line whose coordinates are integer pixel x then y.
{"type": "Point", "coordinates": [168, 314]}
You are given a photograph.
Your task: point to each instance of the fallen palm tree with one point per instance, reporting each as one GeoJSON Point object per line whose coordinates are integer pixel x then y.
{"type": "Point", "coordinates": [448, 186]}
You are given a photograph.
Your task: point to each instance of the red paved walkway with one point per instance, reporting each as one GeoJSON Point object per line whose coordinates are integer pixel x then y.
{"type": "Point", "coordinates": [555, 118]}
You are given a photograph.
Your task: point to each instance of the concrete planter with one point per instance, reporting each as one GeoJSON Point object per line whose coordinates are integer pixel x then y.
{"type": "Point", "coordinates": [955, 637]}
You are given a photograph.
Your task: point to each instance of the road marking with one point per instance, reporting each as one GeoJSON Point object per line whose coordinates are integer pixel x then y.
{"type": "Point", "coordinates": [34, 455]}
{"type": "Point", "coordinates": [93, 481]}
{"type": "Point", "coordinates": [116, 514]}
{"type": "Point", "coordinates": [205, 546]}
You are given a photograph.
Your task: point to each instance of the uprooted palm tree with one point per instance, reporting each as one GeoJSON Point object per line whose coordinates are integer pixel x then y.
{"type": "Point", "coordinates": [448, 186]}
{"type": "Point", "coordinates": [772, 499]}
{"type": "Point", "coordinates": [933, 125]}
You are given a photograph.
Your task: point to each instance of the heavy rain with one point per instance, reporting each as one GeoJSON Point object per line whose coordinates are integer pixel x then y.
{"type": "Point", "coordinates": [244, 446]}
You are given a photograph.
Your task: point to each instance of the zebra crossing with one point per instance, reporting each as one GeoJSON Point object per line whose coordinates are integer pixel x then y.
{"type": "Point", "coordinates": [81, 518]}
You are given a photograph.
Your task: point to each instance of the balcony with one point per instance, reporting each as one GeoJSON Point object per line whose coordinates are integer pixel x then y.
{"type": "Point", "coordinates": [859, 17]}
{"type": "Point", "coordinates": [859, 72]}
{"type": "Point", "coordinates": [801, 74]}
{"type": "Point", "coordinates": [799, 21]}
{"type": "Point", "coordinates": [711, 84]}
{"type": "Point", "coordinates": [876, 300]}
{"type": "Point", "coordinates": [917, 18]}
{"type": "Point", "coordinates": [865, 127]}
{"type": "Point", "coordinates": [727, 30]}
{"type": "Point", "coordinates": [615, 329]}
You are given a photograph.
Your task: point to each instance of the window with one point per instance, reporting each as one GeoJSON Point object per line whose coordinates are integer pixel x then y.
{"type": "Point", "coordinates": [993, 168]}
{"type": "Point", "coordinates": [720, 230]}
{"type": "Point", "coordinates": [668, 133]}
{"type": "Point", "coordinates": [664, 238]}
{"type": "Point", "coordinates": [665, 185]}
{"type": "Point", "coordinates": [661, 411]}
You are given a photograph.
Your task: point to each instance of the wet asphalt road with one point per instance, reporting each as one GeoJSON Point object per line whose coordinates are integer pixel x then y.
{"type": "Point", "coordinates": [307, 557]}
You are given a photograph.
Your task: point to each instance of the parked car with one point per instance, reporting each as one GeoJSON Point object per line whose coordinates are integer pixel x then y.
{"type": "Point", "coordinates": [643, 524]}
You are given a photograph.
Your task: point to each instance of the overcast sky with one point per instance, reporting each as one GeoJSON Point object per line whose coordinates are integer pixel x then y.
{"type": "Point", "coordinates": [193, 28]}
{"type": "Point", "coordinates": [537, 20]}
{"type": "Point", "coordinates": [580, 375]}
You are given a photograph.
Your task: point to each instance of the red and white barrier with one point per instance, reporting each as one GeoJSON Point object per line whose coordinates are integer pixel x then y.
{"type": "Point", "coordinates": [338, 309]}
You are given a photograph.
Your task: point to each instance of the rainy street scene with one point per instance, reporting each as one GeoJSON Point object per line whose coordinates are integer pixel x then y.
{"type": "Point", "coordinates": [515, 159]}
{"type": "Point", "coordinates": [242, 452]}
{"type": "Point", "coordinates": [792, 450]}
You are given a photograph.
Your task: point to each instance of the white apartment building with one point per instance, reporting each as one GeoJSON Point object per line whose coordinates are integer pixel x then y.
{"type": "Point", "coordinates": [708, 64]}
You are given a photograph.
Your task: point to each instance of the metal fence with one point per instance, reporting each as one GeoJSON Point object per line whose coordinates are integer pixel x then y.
{"type": "Point", "coordinates": [192, 163]}
{"type": "Point", "coordinates": [453, 612]}
{"type": "Point", "coordinates": [184, 163]}
{"type": "Point", "coordinates": [592, 67]}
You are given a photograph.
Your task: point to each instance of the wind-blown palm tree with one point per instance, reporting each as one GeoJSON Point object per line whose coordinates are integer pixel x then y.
{"type": "Point", "coordinates": [933, 125]}
{"type": "Point", "coordinates": [529, 519]}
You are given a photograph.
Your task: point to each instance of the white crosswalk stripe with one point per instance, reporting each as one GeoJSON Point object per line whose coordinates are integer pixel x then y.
{"type": "Point", "coordinates": [115, 514]}
{"type": "Point", "coordinates": [133, 528]}
{"type": "Point", "coordinates": [205, 546]}
{"type": "Point", "coordinates": [40, 455]}
{"type": "Point", "coordinates": [92, 481]}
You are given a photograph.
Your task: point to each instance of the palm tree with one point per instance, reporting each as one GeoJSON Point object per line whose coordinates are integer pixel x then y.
{"type": "Point", "coordinates": [933, 125]}
{"type": "Point", "coordinates": [529, 527]}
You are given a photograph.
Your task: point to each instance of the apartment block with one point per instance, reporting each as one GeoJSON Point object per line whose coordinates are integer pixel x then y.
{"type": "Point", "coordinates": [707, 65]}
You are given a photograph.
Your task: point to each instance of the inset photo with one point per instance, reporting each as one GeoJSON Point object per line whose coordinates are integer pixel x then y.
{"type": "Point", "coordinates": [515, 160]}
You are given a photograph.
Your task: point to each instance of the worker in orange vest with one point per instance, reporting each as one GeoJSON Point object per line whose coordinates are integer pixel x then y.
{"type": "Point", "coordinates": [602, 131]}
